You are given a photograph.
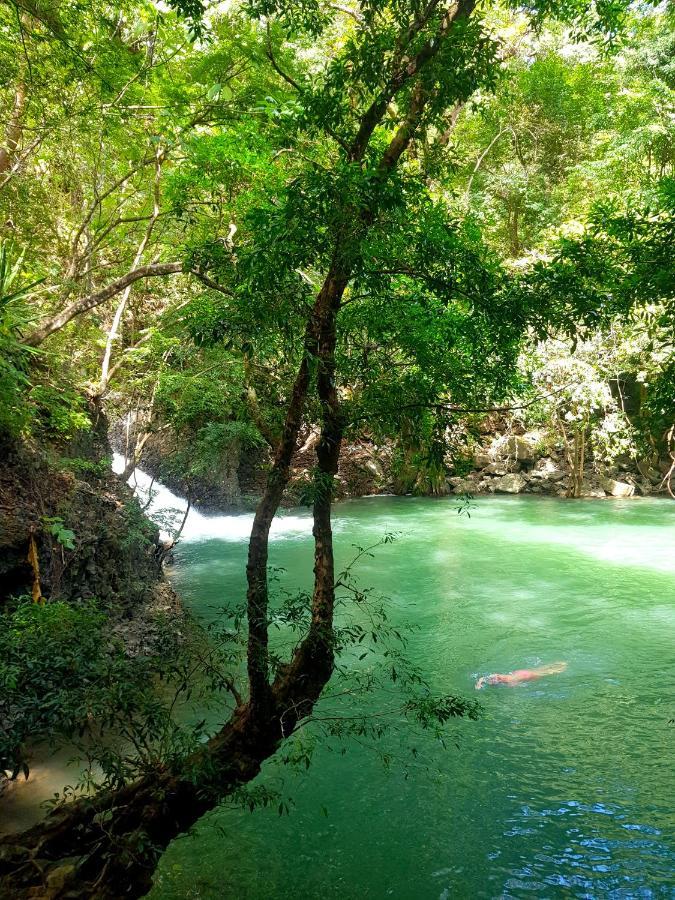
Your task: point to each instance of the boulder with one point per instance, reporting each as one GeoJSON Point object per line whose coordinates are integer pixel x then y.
{"type": "Point", "coordinates": [617, 488]}
{"type": "Point", "coordinates": [496, 468]}
{"type": "Point", "coordinates": [522, 447]}
{"type": "Point", "coordinates": [512, 483]}
{"type": "Point", "coordinates": [462, 485]}
{"type": "Point", "coordinates": [481, 458]}
{"type": "Point", "coordinates": [591, 489]}
{"type": "Point", "coordinates": [547, 470]}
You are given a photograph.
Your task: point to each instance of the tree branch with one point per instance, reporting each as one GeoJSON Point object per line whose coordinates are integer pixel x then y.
{"type": "Point", "coordinates": [407, 71]}
{"type": "Point", "coordinates": [55, 323]}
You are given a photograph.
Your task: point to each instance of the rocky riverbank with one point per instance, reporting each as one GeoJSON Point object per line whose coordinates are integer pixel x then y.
{"type": "Point", "coordinates": [517, 461]}
{"type": "Point", "coordinates": [505, 458]}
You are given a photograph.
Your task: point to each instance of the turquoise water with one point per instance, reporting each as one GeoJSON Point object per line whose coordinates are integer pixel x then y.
{"type": "Point", "coordinates": [564, 788]}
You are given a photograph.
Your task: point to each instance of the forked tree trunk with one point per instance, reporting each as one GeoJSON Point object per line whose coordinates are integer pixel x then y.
{"type": "Point", "coordinates": [108, 846]}
{"type": "Point", "coordinates": [326, 304]}
{"type": "Point", "coordinates": [117, 837]}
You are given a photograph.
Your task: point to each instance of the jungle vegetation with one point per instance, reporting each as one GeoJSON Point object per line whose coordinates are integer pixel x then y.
{"type": "Point", "coordinates": [383, 215]}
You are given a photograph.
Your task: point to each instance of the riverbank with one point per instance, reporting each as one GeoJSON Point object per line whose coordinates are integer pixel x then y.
{"type": "Point", "coordinates": [501, 456]}
{"type": "Point", "coordinates": [84, 603]}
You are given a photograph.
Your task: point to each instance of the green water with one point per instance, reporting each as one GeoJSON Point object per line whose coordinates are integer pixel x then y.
{"type": "Point", "coordinates": [563, 789]}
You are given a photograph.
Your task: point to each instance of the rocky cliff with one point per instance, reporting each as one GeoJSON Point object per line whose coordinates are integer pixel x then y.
{"type": "Point", "coordinates": [90, 535]}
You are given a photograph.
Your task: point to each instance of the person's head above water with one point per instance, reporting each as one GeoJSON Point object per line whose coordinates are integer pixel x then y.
{"type": "Point", "coordinates": [518, 676]}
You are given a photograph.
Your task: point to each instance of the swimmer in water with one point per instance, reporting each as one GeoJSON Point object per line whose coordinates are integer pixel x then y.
{"type": "Point", "coordinates": [521, 675]}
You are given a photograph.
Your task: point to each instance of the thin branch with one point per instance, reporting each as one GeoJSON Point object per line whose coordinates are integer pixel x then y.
{"type": "Point", "coordinates": [338, 7]}
{"type": "Point", "coordinates": [209, 282]}
{"type": "Point", "coordinates": [119, 312]}
{"type": "Point", "coordinates": [480, 159]}
{"type": "Point", "coordinates": [270, 55]}
{"type": "Point", "coordinates": [448, 407]}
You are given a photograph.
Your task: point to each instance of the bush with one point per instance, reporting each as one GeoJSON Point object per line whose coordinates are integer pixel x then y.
{"type": "Point", "coordinates": [52, 661]}
{"type": "Point", "coordinates": [65, 677]}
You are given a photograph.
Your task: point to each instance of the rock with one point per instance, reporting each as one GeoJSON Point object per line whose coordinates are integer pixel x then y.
{"type": "Point", "coordinates": [547, 470]}
{"type": "Point", "coordinates": [374, 466]}
{"type": "Point", "coordinates": [617, 488]}
{"type": "Point", "coordinates": [481, 458]}
{"type": "Point", "coordinates": [589, 489]}
{"type": "Point", "coordinates": [522, 447]}
{"type": "Point", "coordinates": [462, 485]}
{"type": "Point", "coordinates": [647, 470]}
{"type": "Point", "coordinates": [58, 879]}
{"type": "Point", "coordinates": [510, 484]}
{"type": "Point", "coordinates": [496, 468]}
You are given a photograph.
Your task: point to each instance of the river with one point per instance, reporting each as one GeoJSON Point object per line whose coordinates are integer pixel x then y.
{"type": "Point", "coordinates": [563, 787]}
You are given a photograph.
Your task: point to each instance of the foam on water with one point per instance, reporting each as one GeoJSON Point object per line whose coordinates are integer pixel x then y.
{"type": "Point", "coordinates": [167, 509]}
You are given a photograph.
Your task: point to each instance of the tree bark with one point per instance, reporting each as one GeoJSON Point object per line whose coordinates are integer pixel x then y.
{"type": "Point", "coordinates": [14, 129]}
{"type": "Point", "coordinates": [55, 323]}
{"type": "Point", "coordinates": [328, 299]}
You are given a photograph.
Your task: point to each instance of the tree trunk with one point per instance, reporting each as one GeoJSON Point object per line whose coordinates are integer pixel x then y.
{"type": "Point", "coordinates": [327, 301]}
{"type": "Point", "coordinates": [14, 129]}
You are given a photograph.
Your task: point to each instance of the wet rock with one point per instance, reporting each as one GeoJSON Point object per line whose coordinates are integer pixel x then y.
{"type": "Point", "coordinates": [513, 483]}
{"type": "Point", "coordinates": [592, 490]}
{"type": "Point", "coordinates": [462, 485]}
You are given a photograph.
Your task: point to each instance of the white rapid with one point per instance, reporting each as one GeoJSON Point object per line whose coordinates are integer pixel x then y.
{"type": "Point", "coordinates": [167, 509]}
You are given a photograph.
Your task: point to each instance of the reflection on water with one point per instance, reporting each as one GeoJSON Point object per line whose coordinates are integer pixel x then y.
{"type": "Point", "coordinates": [25, 801]}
